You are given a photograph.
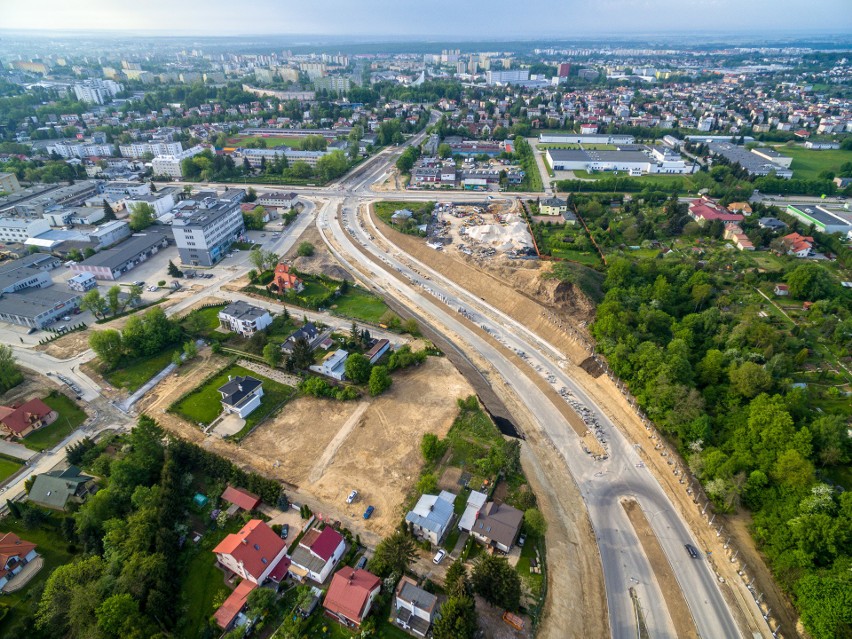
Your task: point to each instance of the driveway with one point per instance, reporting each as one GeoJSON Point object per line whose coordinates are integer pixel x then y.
{"type": "Point", "coordinates": [18, 451]}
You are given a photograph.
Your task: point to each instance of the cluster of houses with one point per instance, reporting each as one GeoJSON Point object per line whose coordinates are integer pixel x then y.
{"type": "Point", "coordinates": [258, 556]}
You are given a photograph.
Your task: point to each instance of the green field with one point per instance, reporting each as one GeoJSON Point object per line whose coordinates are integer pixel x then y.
{"type": "Point", "coordinates": [360, 304]}
{"type": "Point", "coordinates": [8, 467]}
{"type": "Point", "coordinates": [663, 180]}
{"type": "Point", "coordinates": [271, 142]}
{"type": "Point", "coordinates": [204, 404]}
{"type": "Point", "coordinates": [70, 417]}
{"type": "Point", "coordinates": [807, 163]}
{"type": "Point", "coordinates": [132, 375]}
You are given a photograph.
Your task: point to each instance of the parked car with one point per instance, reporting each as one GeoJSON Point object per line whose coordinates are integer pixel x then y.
{"type": "Point", "coordinates": [361, 562]}
{"type": "Point", "coordinates": [67, 318]}
{"type": "Point", "coordinates": [691, 550]}
{"type": "Point", "coordinates": [439, 557]}
{"type": "Point", "coordinates": [285, 530]}
{"type": "Point", "coordinates": [138, 283]}
{"type": "Point", "coordinates": [352, 497]}
{"type": "Point", "coordinates": [522, 540]}
{"type": "Point", "coordinates": [31, 331]}
{"type": "Point", "coordinates": [368, 513]}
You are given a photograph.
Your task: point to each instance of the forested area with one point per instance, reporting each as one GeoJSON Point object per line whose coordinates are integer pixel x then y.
{"type": "Point", "coordinates": [126, 579]}
{"type": "Point", "coordinates": [717, 376]}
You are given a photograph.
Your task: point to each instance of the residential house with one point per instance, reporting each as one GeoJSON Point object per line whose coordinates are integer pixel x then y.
{"type": "Point", "coordinates": [431, 517]}
{"type": "Point", "coordinates": [798, 245]}
{"type": "Point", "coordinates": [734, 233]}
{"type": "Point", "coordinates": [230, 613]}
{"type": "Point", "coordinates": [240, 498]}
{"type": "Point", "coordinates": [283, 281]}
{"type": "Point", "coordinates": [401, 215]}
{"type": "Point", "coordinates": [782, 290]}
{"type": "Point", "coordinates": [333, 365]}
{"type": "Point", "coordinates": [475, 503]}
{"type": "Point", "coordinates": [317, 554]}
{"type": "Point", "coordinates": [58, 489]}
{"type": "Point", "coordinates": [20, 421]}
{"type": "Point", "coordinates": [771, 223]}
{"type": "Point", "coordinates": [379, 348]}
{"type": "Point", "coordinates": [497, 526]}
{"type": "Point", "coordinates": [277, 199]}
{"type": "Point", "coordinates": [241, 395]}
{"type": "Point", "coordinates": [706, 210]}
{"type": "Point", "coordinates": [351, 594]}
{"type": "Point", "coordinates": [308, 332]}
{"type": "Point", "coordinates": [15, 553]}
{"type": "Point", "coordinates": [414, 609]}
{"type": "Point", "coordinates": [553, 206]}
{"type": "Point", "coordinates": [740, 207]}
{"type": "Point", "coordinates": [245, 319]}
{"type": "Point", "coordinates": [252, 553]}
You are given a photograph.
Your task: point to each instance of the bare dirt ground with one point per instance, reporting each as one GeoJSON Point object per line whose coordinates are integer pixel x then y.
{"type": "Point", "coordinates": [379, 457]}
{"type": "Point", "coordinates": [675, 602]}
{"type": "Point", "coordinates": [568, 310]}
{"type": "Point", "coordinates": [34, 385]}
{"type": "Point", "coordinates": [321, 262]}
{"type": "Point", "coordinates": [67, 346]}
{"type": "Point", "coordinates": [491, 622]}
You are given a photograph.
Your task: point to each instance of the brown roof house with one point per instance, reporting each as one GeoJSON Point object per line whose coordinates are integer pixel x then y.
{"type": "Point", "coordinates": [19, 421]}
{"type": "Point", "coordinates": [15, 553]}
{"type": "Point", "coordinates": [497, 526]}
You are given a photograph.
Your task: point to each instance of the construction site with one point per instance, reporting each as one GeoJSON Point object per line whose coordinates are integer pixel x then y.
{"type": "Point", "coordinates": [483, 229]}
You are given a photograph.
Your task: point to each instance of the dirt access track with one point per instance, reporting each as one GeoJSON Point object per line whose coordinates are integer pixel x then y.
{"type": "Point", "coordinates": [323, 449]}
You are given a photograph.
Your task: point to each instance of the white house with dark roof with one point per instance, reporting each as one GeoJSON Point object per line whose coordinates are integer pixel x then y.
{"type": "Point", "coordinates": [414, 609]}
{"type": "Point", "coordinates": [245, 319]}
{"type": "Point", "coordinates": [241, 395]}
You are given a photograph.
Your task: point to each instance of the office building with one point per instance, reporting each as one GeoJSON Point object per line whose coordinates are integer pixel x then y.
{"type": "Point", "coordinates": [35, 307]}
{"type": "Point", "coordinates": [256, 156]}
{"type": "Point", "coordinates": [204, 229]}
{"type": "Point", "coordinates": [753, 163]}
{"type": "Point", "coordinates": [513, 76]}
{"type": "Point", "coordinates": [13, 229]}
{"type": "Point", "coordinates": [109, 233]}
{"type": "Point", "coordinates": [30, 271]}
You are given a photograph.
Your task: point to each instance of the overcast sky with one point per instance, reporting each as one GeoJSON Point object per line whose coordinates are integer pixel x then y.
{"type": "Point", "coordinates": [469, 19]}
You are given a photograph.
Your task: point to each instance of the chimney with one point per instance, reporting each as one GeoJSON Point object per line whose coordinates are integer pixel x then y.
{"type": "Point", "coordinates": [229, 378]}
{"type": "Point", "coordinates": [240, 387]}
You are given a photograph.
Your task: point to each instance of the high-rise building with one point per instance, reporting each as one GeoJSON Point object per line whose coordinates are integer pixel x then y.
{"type": "Point", "coordinates": [204, 230]}
{"type": "Point", "coordinates": [97, 91]}
{"type": "Point", "coordinates": [564, 70]}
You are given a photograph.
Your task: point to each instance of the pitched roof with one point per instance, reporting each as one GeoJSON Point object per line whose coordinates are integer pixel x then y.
{"type": "Point", "coordinates": [349, 592]}
{"type": "Point", "coordinates": [410, 592]}
{"type": "Point", "coordinates": [241, 497]}
{"type": "Point", "coordinates": [11, 547]}
{"type": "Point", "coordinates": [255, 545]}
{"type": "Point", "coordinates": [707, 209]}
{"type": "Point", "coordinates": [284, 279]}
{"type": "Point", "coordinates": [326, 543]}
{"type": "Point", "coordinates": [499, 523]}
{"type": "Point", "coordinates": [239, 389]}
{"type": "Point", "coordinates": [21, 418]}
{"type": "Point", "coordinates": [54, 488]}
{"type": "Point", "coordinates": [233, 605]}
{"type": "Point", "coordinates": [433, 512]}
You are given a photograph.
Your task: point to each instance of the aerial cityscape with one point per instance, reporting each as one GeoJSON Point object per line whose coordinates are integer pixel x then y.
{"type": "Point", "coordinates": [451, 321]}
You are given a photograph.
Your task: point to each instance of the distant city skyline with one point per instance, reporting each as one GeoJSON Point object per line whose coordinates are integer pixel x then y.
{"type": "Point", "coordinates": [502, 19]}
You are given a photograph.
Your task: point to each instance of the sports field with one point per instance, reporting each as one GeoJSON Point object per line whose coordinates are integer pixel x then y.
{"type": "Point", "coordinates": [808, 163]}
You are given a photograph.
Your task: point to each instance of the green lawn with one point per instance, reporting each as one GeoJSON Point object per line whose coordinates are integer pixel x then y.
{"type": "Point", "coordinates": [133, 374]}
{"type": "Point", "coordinates": [683, 182]}
{"type": "Point", "coordinates": [533, 581]}
{"type": "Point", "coordinates": [8, 467]}
{"type": "Point", "coordinates": [209, 317]}
{"type": "Point", "coordinates": [53, 547]}
{"type": "Point", "coordinates": [808, 163]}
{"type": "Point", "coordinates": [70, 417]}
{"type": "Point", "coordinates": [359, 304]}
{"type": "Point", "coordinates": [202, 582]}
{"type": "Point", "coordinates": [204, 404]}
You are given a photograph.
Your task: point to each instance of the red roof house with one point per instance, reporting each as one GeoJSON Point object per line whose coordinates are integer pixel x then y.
{"type": "Point", "coordinates": [351, 594]}
{"type": "Point", "coordinates": [233, 605]}
{"type": "Point", "coordinates": [317, 554]}
{"type": "Point", "coordinates": [22, 420]}
{"type": "Point", "coordinates": [15, 553]}
{"type": "Point", "coordinates": [283, 280]}
{"type": "Point", "coordinates": [798, 245]}
{"type": "Point", "coordinates": [253, 553]}
{"type": "Point", "coordinates": [706, 210]}
{"type": "Point", "coordinates": [241, 498]}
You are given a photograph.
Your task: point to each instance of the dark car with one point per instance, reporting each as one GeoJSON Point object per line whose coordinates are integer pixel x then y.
{"type": "Point", "coordinates": [361, 562]}
{"type": "Point", "coordinates": [691, 550]}
{"type": "Point", "coordinates": [368, 512]}
{"type": "Point", "coordinates": [285, 530]}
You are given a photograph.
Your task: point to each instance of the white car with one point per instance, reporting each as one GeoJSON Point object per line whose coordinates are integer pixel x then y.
{"type": "Point", "coordinates": [440, 556]}
{"type": "Point", "coordinates": [352, 497]}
